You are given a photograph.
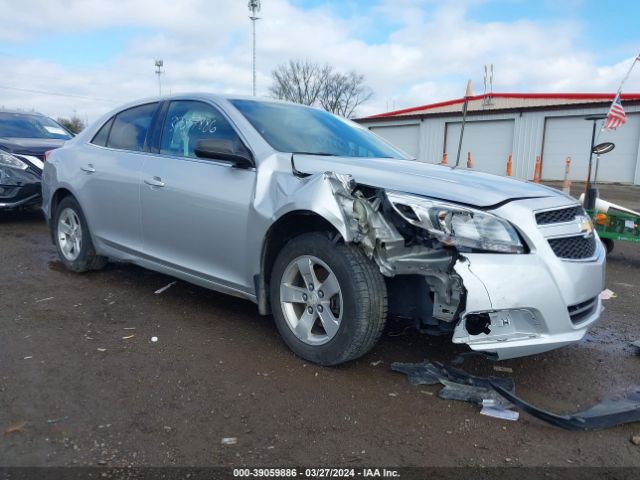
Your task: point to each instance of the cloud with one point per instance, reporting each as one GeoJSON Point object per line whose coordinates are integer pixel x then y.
{"type": "Point", "coordinates": [422, 51]}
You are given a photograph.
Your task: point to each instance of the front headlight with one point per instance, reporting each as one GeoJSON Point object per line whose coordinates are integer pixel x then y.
{"type": "Point", "coordinates": [457, 225]}
{"type": "Point", "coordinates": [8, 160]}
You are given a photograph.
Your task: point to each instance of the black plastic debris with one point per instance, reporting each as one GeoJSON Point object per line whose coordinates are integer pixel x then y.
{"type": "Point", "coordinates": [459, 385]}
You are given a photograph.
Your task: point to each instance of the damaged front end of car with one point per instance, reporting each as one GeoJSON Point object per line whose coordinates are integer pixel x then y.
{"type": "Point", "coordinates": [454, 269]}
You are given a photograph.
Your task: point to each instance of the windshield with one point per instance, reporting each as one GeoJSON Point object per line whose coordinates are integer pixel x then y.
{"type": "Point", "coordinates": [22, 125]}
{"type": "Point", "coordinates": [296, 128]}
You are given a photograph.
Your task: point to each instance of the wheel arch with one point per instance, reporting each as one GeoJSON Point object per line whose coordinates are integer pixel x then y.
{"type": "Point", "coordinates": [288, 226]}
{"type": "Point", "coordinates": [56, 198]}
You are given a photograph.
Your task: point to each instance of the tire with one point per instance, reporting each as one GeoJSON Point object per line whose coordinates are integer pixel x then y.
{"type": "Point", "coordinates": [360, 306]}
{"type": "Point", "coordinates": [73, 239]}
{"type": "Point", "coordinates": [608, 244]}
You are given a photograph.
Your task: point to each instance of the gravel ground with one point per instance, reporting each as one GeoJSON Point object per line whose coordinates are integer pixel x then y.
{"type": "Point", "coordinates": [85, 385]}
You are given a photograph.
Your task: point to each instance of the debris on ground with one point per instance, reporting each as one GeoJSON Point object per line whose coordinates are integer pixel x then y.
{"type": "Point", "coordinates": [45, 299]}
{"type": "Point", "coordinates": [609, 413]}
{"type": "Point", "coordinates": [498, 368]}
{"type": "Point", "coordinates": [607, 295]}
{"type": "Point", "coordinates": [129, 328]}
{"type": "Point", "coordinates": [376, 363]}
{"type": "Point", "coordinates": [166, 287]}
{"type": "Point", "coordinates": [458, 385]}
{"type": "Point", "coordinates": [15, 428]}
{"type": "Point", "coordinates": [499, 393]}
{"type": "Point", "coordinates": [102, 349]}
{"type": "Point", "coordinates": [635, 439]}
{"type": "Point", "coordinates": [501, 413]}
{"type": "Point", "coordinates": [128, 337]}
{"type": "Point", "coordinates": [229, 441]}
{"type": "Point", "coordinates": [154, 339]}
{"type": "Point", "coordinates": [52, 421]}
{"type": "Point", "coordinates": [28, 357]}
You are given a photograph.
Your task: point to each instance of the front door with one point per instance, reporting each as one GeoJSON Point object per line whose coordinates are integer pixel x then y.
{"type": "Point", "coordinates": [195, 210]}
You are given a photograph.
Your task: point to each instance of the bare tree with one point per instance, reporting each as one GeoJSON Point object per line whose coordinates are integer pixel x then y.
{"type": "Point", "coordinates": [344, 93]}
{"type": "Point", "coordinates": [302, 81]}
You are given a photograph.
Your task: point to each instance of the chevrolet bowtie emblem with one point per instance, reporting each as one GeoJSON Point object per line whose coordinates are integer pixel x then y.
{"type": "Point", "coordinates": [585, 225]}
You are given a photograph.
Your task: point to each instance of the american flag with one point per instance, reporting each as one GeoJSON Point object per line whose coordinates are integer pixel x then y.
{"type": "Point", "coordinates": [616, 115]}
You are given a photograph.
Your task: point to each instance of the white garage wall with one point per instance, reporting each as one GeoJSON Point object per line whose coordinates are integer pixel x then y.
{"type": "Point", "coordinates": [571, 136]}
{"type": "Point", "coordinates": [490, 143]}
{"type": "Point", "coordinates": [528, 132]}
{"type": "Point", "coordinates": [405, 137]}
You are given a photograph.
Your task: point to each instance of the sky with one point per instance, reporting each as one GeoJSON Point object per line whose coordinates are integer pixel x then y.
{"type": "Point", "coordinates": [86, 57]}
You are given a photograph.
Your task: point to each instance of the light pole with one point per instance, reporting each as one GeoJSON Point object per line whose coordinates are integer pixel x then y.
{"type": "Point", "coordinates": [159, 71]}
{"type": "Point", "coordinates": [254, 8]}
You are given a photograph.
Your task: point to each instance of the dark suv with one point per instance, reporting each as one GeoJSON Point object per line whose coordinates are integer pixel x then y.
{"type": "Point", "coordinates": [24, 139]}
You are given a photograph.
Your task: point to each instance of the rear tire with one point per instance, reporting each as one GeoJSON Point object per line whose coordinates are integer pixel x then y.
{"type": "Point", "coordinates": [334, 327]}
{"type": "Point", "coordinates": [73, 239]}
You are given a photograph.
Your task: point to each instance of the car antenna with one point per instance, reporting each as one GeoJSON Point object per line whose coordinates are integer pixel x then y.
{"type": "Point", "coordinates": [468, 94]}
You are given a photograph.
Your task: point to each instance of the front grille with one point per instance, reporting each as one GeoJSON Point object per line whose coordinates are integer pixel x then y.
{"type": "Point", "coordinates": [558, 216]}
{"type": "Point", "coordinates": [574, 248]}
{"type": "Point", "coordinates": [581, 311]}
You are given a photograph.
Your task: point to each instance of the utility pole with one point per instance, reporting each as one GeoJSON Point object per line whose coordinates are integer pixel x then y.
{"type": "Point", "coordinates": [254, 8]}
{"type": "Point", "coordinates": [159, 71]}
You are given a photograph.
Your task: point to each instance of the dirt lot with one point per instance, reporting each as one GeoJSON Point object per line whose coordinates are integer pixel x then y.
{"type": "Point", "coordinates": [89, 396]}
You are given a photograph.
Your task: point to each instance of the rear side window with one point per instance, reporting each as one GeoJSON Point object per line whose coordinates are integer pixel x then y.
{"type": "Point", "coordinates": [103, 134]}
{"type": "Point", "coordinates": [129, 129]}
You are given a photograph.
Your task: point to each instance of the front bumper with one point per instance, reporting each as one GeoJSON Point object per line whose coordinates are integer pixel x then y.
{"type": "Point", "coordinates": [535, 302]}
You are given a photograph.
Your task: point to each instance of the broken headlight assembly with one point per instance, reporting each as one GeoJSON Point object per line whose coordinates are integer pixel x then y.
{"type": "Point", "coordinates": [456, 225]}
{"type": "Point", "coordinates": [9, 161]}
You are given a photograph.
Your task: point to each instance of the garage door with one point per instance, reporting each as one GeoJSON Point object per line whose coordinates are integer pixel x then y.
{"type": "Point", "coordinates": [571, 136]}
{"type": "Point", "coordinates": [405, 137]}
{"type": "Point", "coordinates": [489, 142]}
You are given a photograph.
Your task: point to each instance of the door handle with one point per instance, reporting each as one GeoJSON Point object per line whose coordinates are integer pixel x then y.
{"type": "Point", "coordinates": [88, 168]}
{"type": "Point", "coordinates": [154, 182]}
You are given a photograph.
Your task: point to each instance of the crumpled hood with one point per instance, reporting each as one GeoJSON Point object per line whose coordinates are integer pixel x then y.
{"type": "Point", "coordinates": [455, 185]}
{"type": "Point", "coordinates": [29, 146]}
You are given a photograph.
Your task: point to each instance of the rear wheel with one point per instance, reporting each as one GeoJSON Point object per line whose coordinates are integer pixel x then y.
{"type": "Point", "coordinates": [608, 244]}
{"type": "Point", "coordinates": [329, 301]}
{"type": "Point", "coordinates": [73, 240]}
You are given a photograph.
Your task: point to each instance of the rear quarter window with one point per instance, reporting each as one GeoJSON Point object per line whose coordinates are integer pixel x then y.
{"type": "Point", "coordinates": [130, 127]}
{"type": "Point", "coordinates": [102, 136]}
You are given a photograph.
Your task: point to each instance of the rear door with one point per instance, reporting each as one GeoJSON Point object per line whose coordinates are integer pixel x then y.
{"type": "Point", "coordinates": [195, 210]}
{"type": "Point", "coordinates": [110, 196]}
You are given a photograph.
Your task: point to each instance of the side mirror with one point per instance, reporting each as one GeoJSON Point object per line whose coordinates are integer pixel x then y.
{"type": "Point", "coordinates": [225, 150]}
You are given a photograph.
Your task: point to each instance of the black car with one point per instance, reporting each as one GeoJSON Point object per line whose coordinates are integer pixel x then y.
{"type": "Point", "coordinates": [24, 139]}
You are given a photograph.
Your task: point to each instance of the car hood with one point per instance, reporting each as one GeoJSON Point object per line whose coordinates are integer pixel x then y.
{"type": "Point", "coordinates": [455, 185]}
{"type": "Point", "coordinates": [29, 146]}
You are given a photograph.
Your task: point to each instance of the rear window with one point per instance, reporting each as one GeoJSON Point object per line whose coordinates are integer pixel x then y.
{"type": "Point", "coordinates": [23, 125]}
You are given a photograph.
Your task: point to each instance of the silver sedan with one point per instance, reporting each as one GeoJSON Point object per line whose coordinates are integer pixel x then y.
{"type": "Point", "coordinates": [324, 225]}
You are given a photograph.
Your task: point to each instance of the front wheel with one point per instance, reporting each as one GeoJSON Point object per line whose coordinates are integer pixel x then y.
{"type": "Point", "coordinates": [329, 301]}
{"type": "Point", "coordinates": [73, 240]}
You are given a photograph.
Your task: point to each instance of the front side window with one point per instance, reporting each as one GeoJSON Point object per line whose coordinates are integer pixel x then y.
{"type": "Point", "coordinates": [188, 122]}
{"type": "Point", "coordinates": [296, 128]}
{"type": "Point", "coordinates": [129, 129]}
{"type": "Point", "coordinates": [24, 125]}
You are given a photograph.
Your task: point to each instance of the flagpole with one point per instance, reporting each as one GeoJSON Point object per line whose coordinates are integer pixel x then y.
{"type": "Point", "coordinates": [617, 96]}
{"type": "Point", "coordinates": [591, 193]}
